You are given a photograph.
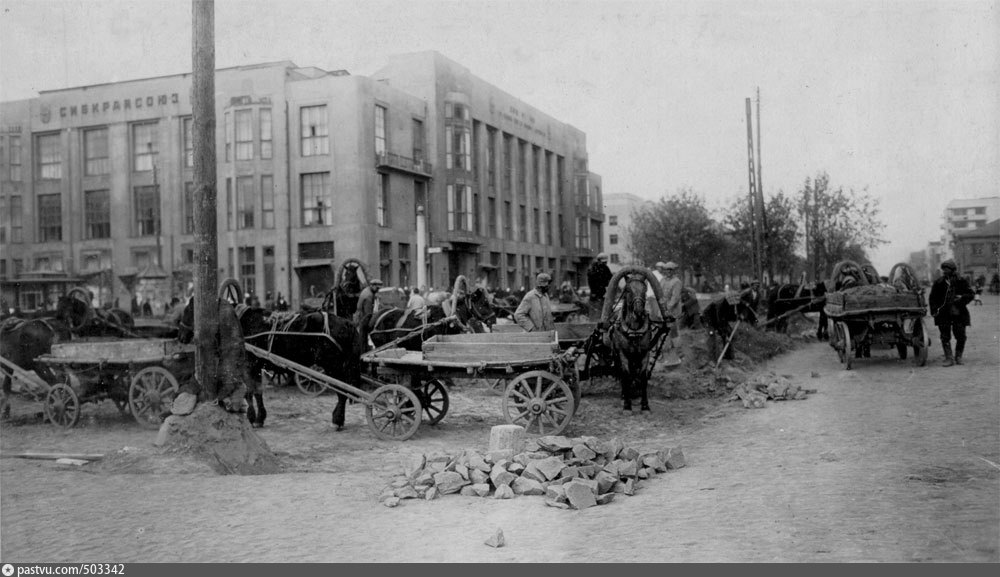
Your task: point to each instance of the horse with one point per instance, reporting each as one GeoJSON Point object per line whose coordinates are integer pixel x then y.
{"type": "Point", "coordinates": [85, 321]}
{"type": "Point", "coordinates": [22, 341]}
{"type": "Point", "coordinates": [783, 299]}
{"type": "Point", "coordinates": [236, 367]}
{"type": "Point", "coordinates": [690, 310]}
{"type": "Point", "coordinates": [473, 314]}
{"type": "Point", "coordinates": [633, 336]}
{"type": "Point", "coordinates": [342, 298]}
{"type": "Point", "coordinates": [719, 315]}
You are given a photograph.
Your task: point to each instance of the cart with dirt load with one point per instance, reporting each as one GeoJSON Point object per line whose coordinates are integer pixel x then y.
{"type": "Point", "coordinates": [864, 314]}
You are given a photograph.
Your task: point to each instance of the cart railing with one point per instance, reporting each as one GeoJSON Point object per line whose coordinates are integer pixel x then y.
{"type": "Point", "coordinates": [350, 391]}
{"type": "Point", "coordinates": [37, 384]}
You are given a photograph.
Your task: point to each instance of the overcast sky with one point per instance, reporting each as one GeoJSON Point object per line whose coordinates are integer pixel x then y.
{"type": "Point", "coordinates": [897, 97]}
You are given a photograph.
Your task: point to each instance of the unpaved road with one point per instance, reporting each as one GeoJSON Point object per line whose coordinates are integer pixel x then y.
{"type": "Point", "coordinates": [884, 463]}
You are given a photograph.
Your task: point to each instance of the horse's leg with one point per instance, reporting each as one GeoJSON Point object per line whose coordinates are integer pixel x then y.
{"type": "Point", "coordinates": [644, 390]}
{"type": "Point", "coordinates": [5, 395]}
{"type": "Point", "coordinates": [339, 412]}
{"type": "Point", "coordinates": [261, 411]}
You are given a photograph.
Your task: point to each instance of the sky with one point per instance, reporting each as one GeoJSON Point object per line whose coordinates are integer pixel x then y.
{"type": "Point", "coordinates": [897, 98]}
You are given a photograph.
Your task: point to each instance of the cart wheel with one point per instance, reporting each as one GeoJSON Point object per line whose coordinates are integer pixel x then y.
{"type": "Point", "coordinates": [62, 406]}
{"type": "Point", "coordinates": [81, 295]}
{"type": "Point", "coordinates": [433, 395]}
{"type": "Point", "coordinates": [151, 393]}
{"type": "Point", "coordinates": [393, 413]}
{"type": "Point", "coordinates": [231, 292]}
{"type": "Point", "coordinates": [540, 402]}
{"type": "Point", "coordinates": [845, 350]}
{"type": "Point", "coordinates": [309, 386]}
{"type": "Point", "coordinates": [921, 343]}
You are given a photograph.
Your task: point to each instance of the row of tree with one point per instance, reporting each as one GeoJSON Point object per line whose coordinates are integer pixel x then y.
{"type": "Point", "coordinates": [809, 232]}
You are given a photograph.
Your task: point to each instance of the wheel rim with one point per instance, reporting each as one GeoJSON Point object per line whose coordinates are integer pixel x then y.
{"type": "Point", "coordinates": [151, 394]}
{"type": "Point", "coordinates": [62, 406]}
{"type": "Point", "coordinates": [540, 402]}
{"type": "Point", "coordinates": [433, 397]}
{"type": "Point", "coordinates": [838, 343]}
{"type": "Point", "coordinates": [309, 386]}
{"type": "Point", "coordinates": [393, 413]}
{"type": "Point", "coordinates": [921, 343]}
{"type": "Point", "coordinates": [847, 358]}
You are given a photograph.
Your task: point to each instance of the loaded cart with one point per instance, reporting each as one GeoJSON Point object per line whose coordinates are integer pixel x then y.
{"type": "Point", "coordinates": [863, 314]}
{"type": "Point", "coordinates": [542, 389]}
{"type": "Point", "coordinates": [141, 376]}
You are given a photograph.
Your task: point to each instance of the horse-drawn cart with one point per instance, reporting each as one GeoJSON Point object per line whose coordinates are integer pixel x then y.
{"type": "Point", "coordinates": [140, 376]}
{"type": "Point", "coordinates": [542, 388]}
{"type": "Point", "coordinates": [887, 315]}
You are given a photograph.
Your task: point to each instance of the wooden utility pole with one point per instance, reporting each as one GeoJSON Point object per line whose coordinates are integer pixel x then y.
{"type": "Point", "coordinates": [754, 200]}
{"type": "Point", "coordinates": [765, 252]}
{"type": "Point", "coordinates": [206, 310]}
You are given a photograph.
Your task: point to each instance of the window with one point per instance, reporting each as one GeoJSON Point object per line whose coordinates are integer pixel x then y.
{"type": "Point", "coordinates": [229, 263]}
{"type": "Point", "coordinates": [614, 258]}
{"type": "Point", "coordinates": [95, 260]}
{"type": "Point", "coordinates": [49, 262]}
{"type": "Point", "coordinates": [508, 221]}
{"type": "Point", "coordinates": [385, 262]}
{"type": "Point", "coordinates": [49, 155]}
{"type": "Point", "coordinates": [536, 222]}
{"type": "Point", "coordinates": [477, 224]}
{"type": "Point", "coordinates": [248, 269]}
{"type": "Point", "coordinates": [95, 152]}
{"type": "Point", "coordinates": [315, 250]}
{"type": "Point", "coordinates": [229, 205]}
{"type": "Point", "coordinates": [418, 140]}
{"type": "Point", "coordinates": [613, 239]}
{"type": "Point", "coordinates": [4, 220]}
{"type": "Point", "coordinates": [980, 210]}
{"type": "Point", "coordinates": [491, 217]}
{"type": "Point", "coordinates": [147, 210]}
{"type": "Point", "coordinates": [535, 172]}
{"type": "Point", "coordinates": [613, 220]}
{"type": "Point", "coordinates": [491, 160]}
{"type": "Point", "coordinates": [314, 130]}
{"type": "Point", "coordinates": [16, 219]}
{"type": "Point", "coordinates": [404, 264]}
{"type": "Point", "coordinates": [188, 208]}
{"type": "Point", "coordinates": [522, 169]}
{"type": "Point", "coordinates": [562, 230]}
{"type": "Point", "coordinates": [382, 200]}
{"type": "Point", "coordinates": [266, 138]}
{"type": "Point", "coordinates": [474, 149]}
{"type": "Point", "coordinates": [97, 214]}
{"type": "Point", "coordinates": [15, 158]}
{"type": "Point", "coordinates": [317, 201]}
{"type": "Point", "coordinates": [380, 144]}
{"type": "Point", "coordinates": [267, 201]}
{"type": "Point", "coordinates": [960, 224]}
{"type": "Point", "coordinates": [459, 207]}
{"type": "Point", "coordinates": [548, 176]}
{"type": "Point", "coordinates": [49, 217]}
{"type": "Point", "coordinates": [244, 134]}
{"type": "Point", "coordinates": [508, 163]}
{"type": "Point", "coordinates": [269, 270]}
{"type": "Point", "coordinates": [560, 174]}
{"type": "Point", "coordinates": [227, 127]}
{"type": "Point", "coordinates": [144, 150]}
{"type": "Point", "coordinates": [977, 249]}
{"type": "Point", "coordinates": [522, 224]}
{"type": "Point", "coordinates": [458, 148]}
{"type": "Point", "coordinates": [244, 202]}
{"type": "Point", "coordinates": [188, 142]}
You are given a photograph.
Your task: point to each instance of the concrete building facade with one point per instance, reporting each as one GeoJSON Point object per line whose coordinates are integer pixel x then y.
{"type": "Point", "coordinates": [618, 209]}
{"type": "Point", "coordinates": [977, 251]}
{"type": "Point", "coordinates": [962, 215]}
{"type": "Point", "coordinates": [313, 167]}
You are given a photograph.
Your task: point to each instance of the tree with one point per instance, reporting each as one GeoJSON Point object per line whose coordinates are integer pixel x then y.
{"type": "Point", "coordinates": [838, 224]}
{"type": "Point", "coordinates": [677, 228]}
{"type": "Point", "coordinates": [782, 234]}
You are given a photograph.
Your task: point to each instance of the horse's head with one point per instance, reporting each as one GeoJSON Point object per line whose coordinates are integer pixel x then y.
{"type": "Point", "coordinates": [481, 305]}
{"type": "Point", "coordinates": [350, 281]}
{"type": "Point", "coordinates": [633, 295]}
{"type": "Point", "coordinates": [73, 311]}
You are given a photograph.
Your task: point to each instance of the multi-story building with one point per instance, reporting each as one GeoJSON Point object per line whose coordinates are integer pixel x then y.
{"type": "Point", "coordinates": [977, 251]}
{"type": "Point", "coordinates": [314, 167]}
{"type": "Point", "coordinates": [967, 214]}
{"type": "Point", "coordinates": [618, 209]}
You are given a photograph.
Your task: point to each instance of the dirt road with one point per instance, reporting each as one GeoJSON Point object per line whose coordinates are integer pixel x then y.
{"type": "Point", "coordinates": [884, 463]}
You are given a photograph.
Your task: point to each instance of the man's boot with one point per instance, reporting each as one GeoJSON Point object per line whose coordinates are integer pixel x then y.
{"type": "Point", "coordinates": [948, 361]}
{"type": "Point", "coordinates": [959, 349]}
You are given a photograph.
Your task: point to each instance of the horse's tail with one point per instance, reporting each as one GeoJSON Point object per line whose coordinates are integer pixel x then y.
{"type": "Point", "coordinates": [612, 293]}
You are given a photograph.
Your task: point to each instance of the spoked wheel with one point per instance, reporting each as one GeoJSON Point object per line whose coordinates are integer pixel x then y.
{"type": "Point", "coordinates": [433, 395]}
{"type": "Point", "coordinates": [921, 343]}
{"type": "Point", "coordinates": [151, 394]}
{"type": "Point", "coordinates": [62, 406]}
{"type": "Point", "coordinates": [231, 292]}
{"type": "Point", "coordinates": [844, 335]}
{"type": "Point", "coordinates": [394, 413]}
{"type": "Point", "coordinates": [309, 386]}
{"type": "Point", "coordinates": [540, 402]}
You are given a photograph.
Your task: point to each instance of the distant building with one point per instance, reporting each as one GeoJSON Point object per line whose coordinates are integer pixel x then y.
{"type": "Point", "coordinates": [977, 251]}
{"type": "Point", "coordinates": [962, 215]}
{"type": "Point", "coordinates": [618, 209]}
{"type": "Point", "coordinates": [313, 167]}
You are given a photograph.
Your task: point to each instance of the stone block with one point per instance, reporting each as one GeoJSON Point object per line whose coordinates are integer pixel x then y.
{"type": "Point", "coordinates": [391, 502]}
{"type": "Point", "coordinates": [653, 461]}
{"type": "Point", "coordinates": [400, 482]}
{"type": "Point", "coordinates": [580, 496]}
{"type": "Point", "coordinates": [424, 479]}
{"type": "Point", "coordinates": [556, 493]}
{"type": "Point", "coordinates": [550, 467]}
{"type": "Point", "coordinates": [605, 481]}
{"type": "Point", "coordinates": [481, 489]}
{"type": "Point", "coordinates": [587, 471]}
{"type": "Point", "coordinates": [629, 487]}
{"type": "Point", "coordinates": [531, 471]}
{"type": "Point", "coordinates": [431, 494]}
{"type": "Point", "coordinates": [582, 451]}
{"type": "Point", "coordinates": [526, 486]}
{"type": "Point", "coordinates": [476, 461]}
{"type": "Point", "coordinates": [449, 482]}
{"type": "Point", "coordinates": [477, 476]}
{"type": "Point", "coordinates": [406, 492]}
{"type": "Point", "coordinates": [515, 467]}
{"type": "Point", "coordinates": [184, 404]}
{"type": "Point", "coordinates": [507, 438]}
{"type": "Point", "coordinates": [503, 492]}
{"type": "Point", "coordinates": [557, 504]}
{"type": "Point", "coordinates": [628, 454]}
{"type": "Point", "coordinates": [495, 456]}
{"type": "Point", "coordinates": [468, 491]}
{"type": "Point", "coordinates": [643, 473]}
{"type": "Point", "coordinates": [605, 498]}
{"type": "Point", "coordinates": [619, 487]}
{"type": "Point", "coordinates": [462, 470]}
{"type": "Point", "coordinates": [501, 476]}
{"type": "Point", "coordinates": [675, 458]}
{"type": "Point", "coordinates": [554, 443]}
{"type": "Point", "coordinates": [497, 539]}
{"type": "Point", "coordinates": [570, 472]}
{"type": "Point", "coordinates": [628, 469]}
{"type": "Point", "coordinates": [615, 446]}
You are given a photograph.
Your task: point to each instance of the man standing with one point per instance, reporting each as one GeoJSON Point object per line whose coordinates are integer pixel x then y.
{"type": "Point", "coordinates": [670, 288]}
{"type": "Point", "coordinates": [535, 311]}
{"type": "Point", "coordinates": [366, 307]}
{"type": "Point", "coordinates": [598, 277]}
{"type": "Point", "coordinates": [948, 299]}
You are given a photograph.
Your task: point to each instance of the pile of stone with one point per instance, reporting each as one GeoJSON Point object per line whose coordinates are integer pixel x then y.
{"type": "Point", "coordinates": [760, 389]}
{"type": "Point", "coordinates": [570, 473]}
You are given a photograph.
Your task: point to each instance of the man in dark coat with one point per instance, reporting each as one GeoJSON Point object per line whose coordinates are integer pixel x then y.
{"type": "Point", "coordinates": [598, 277]}
{"type": "Point", "coordinates": [948, 299]}
{"type": "Point", "coordinates": [367, 306]}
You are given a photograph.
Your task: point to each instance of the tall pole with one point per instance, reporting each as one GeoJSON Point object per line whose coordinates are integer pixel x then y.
{"type": "Point", "coordinates": [206, 310]}
{"type": "Point", "coordinates": [754, 201]}
{"type": "Point", "coordinates": [762, 209]}
{"type": "Point", "coordinates": [421, 250]}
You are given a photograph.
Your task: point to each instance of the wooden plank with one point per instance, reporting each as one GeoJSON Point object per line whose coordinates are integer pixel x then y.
{"type": "Point", "coordinates": [54, 456]}
{"type": "Point", "coordinates": [494, 338]}
{"type": "Point", "coordinates": [487, 352]}
{"type": "Point", "coordinates": [118, 349]}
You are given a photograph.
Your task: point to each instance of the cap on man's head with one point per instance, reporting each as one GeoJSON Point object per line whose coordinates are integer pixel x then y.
{"type": "Point", "coordinates": [376, 281]}
{"type": "Point", "coordinates": [602, 256]}
{"type": "Point", "coordinates": [660, 265]}
{"type": "Point", "coordinates": [949, 264]}
{"type": "Point", "coordinates": [543, 278]}
{"type": "Point", "coordinates": [670, 266]}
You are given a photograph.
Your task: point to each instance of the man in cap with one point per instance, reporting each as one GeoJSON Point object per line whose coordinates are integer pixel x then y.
{"type": "Point", "coordinates": [658, 272]}
{"type": "Point", "coordinates": [670, 288]}
{"type": "Point", "coordinates": [367, 305]}
{"type": "Point", "coordinates": [948, 299]}
{"type": "Point", "coordinates": [598, 277]}
{"type": "Point", "coordinates": [535, 311]}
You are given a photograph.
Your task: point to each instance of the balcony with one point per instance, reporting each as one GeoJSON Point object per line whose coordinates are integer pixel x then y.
{"type": "Point", "coordinates": [463, 237]}
{"type": "Point", "coordinates": [403, 164]}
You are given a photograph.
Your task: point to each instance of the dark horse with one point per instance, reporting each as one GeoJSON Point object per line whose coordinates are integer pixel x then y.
{"type": "Point", "coordinates": [22, 341]}
{"type": "Point", "coordinates": [690, 310]}
{"type": "Point", "coordinates": [85, 321]}
{"type": "Point", "coordinates": [783, 299]}
{"type": "Point", "coordinates": [473, 314]}
{"type": "Point", "coordinates": [342, 298]}
{"type": "Point", "coordinates": [632, 335]}
{"type": "Point", "coordinates": [236, 368]}
{"type": "Point", "coordinates": [719, 316]}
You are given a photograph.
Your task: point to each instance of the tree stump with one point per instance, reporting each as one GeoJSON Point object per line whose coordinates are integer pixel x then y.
{"type": "Point", "coordinates": [507, 438]}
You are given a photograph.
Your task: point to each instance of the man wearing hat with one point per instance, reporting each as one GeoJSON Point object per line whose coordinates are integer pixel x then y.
{"type": "Point", "coordinates": [535, 311]}
{"type": "Point", "coordinates": [948, 299]}
{"type": "Point", "coordinates": [670, 288]}
{"type": "Point", "coordinates": [367, 305]}
{"type": "Point", "coordinates": [598, 277]}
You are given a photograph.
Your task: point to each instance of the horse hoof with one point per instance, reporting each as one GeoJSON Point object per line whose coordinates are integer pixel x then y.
{"type": "Point", "coordinates": [645, 409]}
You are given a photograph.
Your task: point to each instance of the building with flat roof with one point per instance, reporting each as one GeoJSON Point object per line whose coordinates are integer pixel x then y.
{"type": "Point", "coordinates": [961, 215]}
{"type": "Point", "coordinates": [313, 167]}
{"type": "Point", "coordinates": [618, 209]}
{"type": "Point", "coordinates": [977, 251]}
